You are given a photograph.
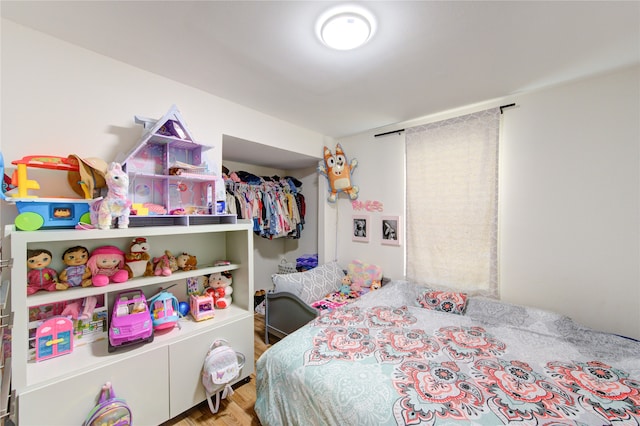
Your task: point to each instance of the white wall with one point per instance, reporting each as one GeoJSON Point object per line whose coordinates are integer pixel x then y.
{"type": "Point", "coordinates": [379, 175]}
{"type": "Point", "coordinates": [59, 99]}
{"type": "Point", "coordinates": [569, 199]}
{"type": "Point", "coordinates": [570, 213]}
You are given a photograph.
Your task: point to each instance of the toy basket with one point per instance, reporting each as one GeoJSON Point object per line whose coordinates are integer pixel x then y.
{"type": "Point", "coordinates": [286, 267]}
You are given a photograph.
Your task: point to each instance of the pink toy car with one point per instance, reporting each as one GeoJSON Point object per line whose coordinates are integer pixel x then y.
{"type": "Point", "coordinates": [130, 321]}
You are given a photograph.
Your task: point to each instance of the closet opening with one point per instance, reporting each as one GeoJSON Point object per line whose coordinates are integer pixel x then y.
{"type": "Point", "coordinates": [269, 162]}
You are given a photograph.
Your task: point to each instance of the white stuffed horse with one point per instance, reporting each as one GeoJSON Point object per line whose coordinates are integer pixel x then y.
{"type": "Point", "coordinates": [115, 205]}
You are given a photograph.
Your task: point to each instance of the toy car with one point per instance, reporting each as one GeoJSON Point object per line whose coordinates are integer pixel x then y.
{"type": "Point", "coordinates": [130, 320]}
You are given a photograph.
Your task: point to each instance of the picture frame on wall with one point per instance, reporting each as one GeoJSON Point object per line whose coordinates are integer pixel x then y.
{"type": "Point", "coordinates": [390, 230]}
{"type": "Point", "coordinates": [360, 228]}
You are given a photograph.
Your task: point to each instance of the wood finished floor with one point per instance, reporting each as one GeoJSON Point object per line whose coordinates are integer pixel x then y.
{"type": "Point", "coordinates": [236, 410]}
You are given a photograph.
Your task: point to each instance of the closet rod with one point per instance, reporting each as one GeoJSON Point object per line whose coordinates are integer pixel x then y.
{"type": "Point", "coordinates": [388, 133]}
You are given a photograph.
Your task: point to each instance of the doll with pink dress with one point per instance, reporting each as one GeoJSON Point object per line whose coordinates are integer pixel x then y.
{"type": "Point", "coordinates": [106, 264]}
{"type": "Point", "coordinates": [40, 275]}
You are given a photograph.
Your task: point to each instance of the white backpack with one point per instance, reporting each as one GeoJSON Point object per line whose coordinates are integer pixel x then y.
{"type": "Point", "coordinates": [222, 365]}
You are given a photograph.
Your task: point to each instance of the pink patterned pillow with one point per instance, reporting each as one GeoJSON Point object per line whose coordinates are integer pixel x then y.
{"type": "Point", "coordinates": [444, 301]}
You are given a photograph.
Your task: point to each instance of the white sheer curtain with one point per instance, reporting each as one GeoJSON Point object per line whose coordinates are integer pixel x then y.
{"type": "Point", "coordinates": [452, 202]}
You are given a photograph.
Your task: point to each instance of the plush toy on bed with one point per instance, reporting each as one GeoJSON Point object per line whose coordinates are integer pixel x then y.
{"type": "Point", "coordinates": [365, 275]}
{"type": "Point", "coordinates": [338, 172]}
{"type": "Point", "coordinates": [220, 287]}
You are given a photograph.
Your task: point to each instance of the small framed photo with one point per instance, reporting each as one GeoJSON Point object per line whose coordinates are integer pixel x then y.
{"type": "Point", "coordinates": [361, 228]}
{"type": "Point", "coordinates": [390, 228]}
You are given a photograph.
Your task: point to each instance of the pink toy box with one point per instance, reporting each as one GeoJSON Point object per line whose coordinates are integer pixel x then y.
{"type": "Point", "coordinates": [201, 307]}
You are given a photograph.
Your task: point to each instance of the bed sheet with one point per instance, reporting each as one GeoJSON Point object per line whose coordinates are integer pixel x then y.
{"type": "Point", "coordinates": [383, 360]}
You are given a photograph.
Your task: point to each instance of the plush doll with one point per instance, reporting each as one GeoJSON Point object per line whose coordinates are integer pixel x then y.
{"type": "Point", "coordinates": [40, 275]}
{"type": "Point", "coordinates": [187, 262]}
{"type": "Point", "coordinates": [138, 260]}
{"type": "Point", "coordinates": [220, 286]}
{"type": "Point", "coordinates": [76, 273]}
{"type": "Point", "coordinates": [116, 205]}
{"type": "Point", "coordinates": [338, 172]}
{"type": "Point", "coordinates": [165, 265]}
{"type": "Point", "coordinates": [107, 265]}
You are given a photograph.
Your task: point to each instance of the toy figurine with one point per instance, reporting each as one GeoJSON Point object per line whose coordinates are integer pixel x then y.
{"type": "Point", "coordinates": [138, 260]}
{"type": "Point", "coordinates": [165, 265]}
{"type": "Point", "coordinates": [40, 276]}
{"type": "Point", "coordinates": [115, 205]}
{"type": "Point", "coordinates": [76, 273]}
{"type": "Point", "coordinates": [187, 262]}
{"type": "Point", "coordinates": [107, 265]}
{"type": "Point", "coordinates": [338, 172]}
{"type": "Point", "coordinates": [220, 287]}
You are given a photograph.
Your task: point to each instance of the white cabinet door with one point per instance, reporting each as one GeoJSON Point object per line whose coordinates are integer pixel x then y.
{"type": "Point", "coordinates": [186, 358]}
{"type": "Point", "coordinates": [141, 380]}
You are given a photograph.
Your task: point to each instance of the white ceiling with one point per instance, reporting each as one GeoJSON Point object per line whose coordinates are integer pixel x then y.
{"type": "Point", "coordinates": [426, 57]}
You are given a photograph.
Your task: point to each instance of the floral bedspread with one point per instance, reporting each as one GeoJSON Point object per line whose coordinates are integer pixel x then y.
{"type": "Point", "coordinates": [383, 360]}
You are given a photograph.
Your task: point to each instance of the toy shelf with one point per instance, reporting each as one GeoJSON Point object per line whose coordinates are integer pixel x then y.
{"type": "Point", "coordinates": [47, 297]}
{"type": "Point", "coordinates": [95, 354]}
{"type": "Point", "coordinates": [169, 367]}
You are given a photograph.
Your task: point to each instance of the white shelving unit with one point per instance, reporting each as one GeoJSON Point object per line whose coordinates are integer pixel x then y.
{"type": "Point", "coordinates": [159, 380]}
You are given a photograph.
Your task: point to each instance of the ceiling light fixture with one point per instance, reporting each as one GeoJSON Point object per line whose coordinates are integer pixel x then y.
{"type": "Point", "coordinates": [345, 27]}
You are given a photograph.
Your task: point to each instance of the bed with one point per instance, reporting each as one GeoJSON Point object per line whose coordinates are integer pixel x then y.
{"type": "Point", "coordinates": [386, 360]}
{"type": "Point", "coordinates": [299, 297]}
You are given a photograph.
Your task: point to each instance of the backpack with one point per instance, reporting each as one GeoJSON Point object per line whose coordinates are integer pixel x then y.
{"type": "Point", "coordinates": [109, 410]}
{"type": "Point", "coordinates": [221, 366]}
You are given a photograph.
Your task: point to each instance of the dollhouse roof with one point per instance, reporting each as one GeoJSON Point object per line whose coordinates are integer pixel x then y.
{"type": "Point", "coordinates": [171, 125]}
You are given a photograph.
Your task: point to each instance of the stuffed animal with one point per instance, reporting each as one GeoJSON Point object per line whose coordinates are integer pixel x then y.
{"type": "Point", "coordinates": [107, 265]}
{"type": "Point", "coordinates": [376, 285]}
{"type": "Point", "coordinates": [355, 286]}
{"type": "Point", "coordinates": [76, 273]}
{"type": "Point", "coordinates": [338, 172]}
{"type": "Point", "coordinates": [116, 205]}
{"type": "Point", "coordinates": [138, 261]}
{"type": "Point", "coordinates": [187, 262]}
{"type": "Point", "coordinates": [220, 287]}
{"type": "Point", "coordinates": [165, 265]}
{"type": "Point", "coordinates": [40, 275]}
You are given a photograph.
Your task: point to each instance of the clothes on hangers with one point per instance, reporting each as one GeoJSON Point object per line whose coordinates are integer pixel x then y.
{"type": "Point", "coordinates": [274, 204]}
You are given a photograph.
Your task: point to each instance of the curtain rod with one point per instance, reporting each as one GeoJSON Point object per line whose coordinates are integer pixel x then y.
{"type": "Point", "coordinates": [502, 107]}
{"type": "Point", "coordinates": [506, 106]}
{"type": "Point", "coordinates": [388, 133]}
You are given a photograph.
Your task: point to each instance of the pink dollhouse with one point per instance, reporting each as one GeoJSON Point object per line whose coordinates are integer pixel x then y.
{"type": "Point", "coordinates": [168, 177]}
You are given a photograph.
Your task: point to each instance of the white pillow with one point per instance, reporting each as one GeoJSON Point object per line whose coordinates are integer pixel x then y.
{"type": "Point", "coordinates": [310, 285]}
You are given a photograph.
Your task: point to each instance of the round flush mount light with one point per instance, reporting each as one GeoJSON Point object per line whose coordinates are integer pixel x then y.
{"type": "Point", "coordinates": [345, 27]}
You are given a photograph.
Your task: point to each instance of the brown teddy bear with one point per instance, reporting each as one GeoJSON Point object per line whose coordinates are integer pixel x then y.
{"type": "Point", "coordinates": [138, 261]}
{"type": "Point", "coordinates": [187, 262]}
